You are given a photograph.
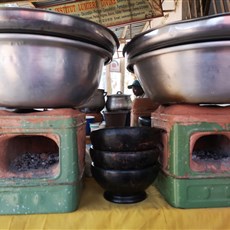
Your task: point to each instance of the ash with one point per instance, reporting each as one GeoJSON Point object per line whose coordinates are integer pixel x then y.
{"type": "Point", "coordinates": [209, 155]}
{"type": "Point", "coordinates": [30, 161]}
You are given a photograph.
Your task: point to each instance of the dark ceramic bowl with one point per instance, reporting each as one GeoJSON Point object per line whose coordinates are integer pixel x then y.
{"type": "Point", "coordinates": [126, 138]}
{"type": "Point", "coordinates": [125, 186]}
{"type": "Point", "coordinates": [124, 160]}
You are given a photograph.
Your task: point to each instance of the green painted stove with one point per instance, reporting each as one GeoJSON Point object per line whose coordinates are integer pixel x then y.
{"type": "Point", "coordinates": [195, 164]}
{"type": "Point", "coordinates": [42, 161]}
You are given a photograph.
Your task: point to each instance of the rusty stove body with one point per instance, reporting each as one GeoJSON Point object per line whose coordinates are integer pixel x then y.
{"type": "Point", "coordinates": [195, 163]}
{"type": "Point", "coordinates": [41, 161]}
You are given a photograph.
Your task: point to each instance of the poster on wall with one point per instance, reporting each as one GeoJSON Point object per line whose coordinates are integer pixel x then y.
{"type": "Point", "coordinates": [115, 65]}
{"type": "Point", "coordinates": [108, 12]}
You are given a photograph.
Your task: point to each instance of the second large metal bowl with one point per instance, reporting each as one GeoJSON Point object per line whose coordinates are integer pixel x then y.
{"type": "Point", "coordinates": [193, 73]}
{"type": "Point", "coordinates": [184, 62]}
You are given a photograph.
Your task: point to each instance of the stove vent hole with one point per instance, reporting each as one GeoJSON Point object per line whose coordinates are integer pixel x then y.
{"type": "Point", "coordinates": [214, 147]}
{"type": "Point", "coordinates": [28, 156]}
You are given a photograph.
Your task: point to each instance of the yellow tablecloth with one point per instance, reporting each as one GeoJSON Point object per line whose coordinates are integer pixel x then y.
{"type": "Point", "coordinates": [97, 213]}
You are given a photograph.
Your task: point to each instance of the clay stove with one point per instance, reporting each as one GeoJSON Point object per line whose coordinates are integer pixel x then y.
{"type": "Point", "coordinates": [196, 160]}
{"type": "Point", "coordinates": [41, 161]}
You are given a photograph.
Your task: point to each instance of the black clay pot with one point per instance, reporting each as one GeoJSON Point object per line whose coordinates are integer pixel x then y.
{"type": "Point", "coordinates": [124, 160]}
{"type": "Point", "coordinates": [125, 186]}
{"type": "Point", "coordinates": [126, 138]}
{"type": "Point", "coordinates": [115, 118]}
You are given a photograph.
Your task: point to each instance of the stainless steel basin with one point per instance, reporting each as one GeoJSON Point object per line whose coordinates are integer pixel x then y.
{"type": "Point", "coordinates": [184, 62]}
{"type": "Point", "coordinates": [194, 73]}
{"type": "Point", "coordinates": [48, 66]}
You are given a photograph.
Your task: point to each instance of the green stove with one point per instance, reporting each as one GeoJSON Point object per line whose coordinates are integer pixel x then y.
{"type": "Point", "coordinates": [42, 161]}
{"type": "Point", "coordinates": [195, 164]}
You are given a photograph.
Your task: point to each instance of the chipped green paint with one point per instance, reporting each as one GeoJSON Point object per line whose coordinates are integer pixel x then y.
{"type": "Point", "coordinates": [194, 193]}
{"type": "Point", "coordinates": [179, 146]}
{"type": "Point", "coordinates": [57, 123]}
{"type": "Point", "coordinates": [181, 186]}
{"type": "Point", "coordinates": [41, 195]}
{"type": "Point", "coordinates": [39, 199]}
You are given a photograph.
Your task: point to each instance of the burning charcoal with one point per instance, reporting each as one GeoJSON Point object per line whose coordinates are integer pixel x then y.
{"type": "Point", "coordinates": [29, 161]}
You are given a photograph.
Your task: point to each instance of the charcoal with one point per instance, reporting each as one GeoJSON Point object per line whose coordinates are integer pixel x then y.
{"type": "Point", "coordinates": [209, 155]}
{"type": "Point", "coordinates": [30, 161]}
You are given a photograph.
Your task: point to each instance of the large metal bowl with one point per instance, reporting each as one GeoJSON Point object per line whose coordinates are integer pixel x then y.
{"type": "Point", "coordinates": [193, 73]}
{"type": "Point", "coordinates": [38, 21]}
{"type": "Point", "coordinates": [49, 64]}
{"type": "Point", "coordinates": [185, 61]}
{"type": "Point", "coordinates": [202, 29]}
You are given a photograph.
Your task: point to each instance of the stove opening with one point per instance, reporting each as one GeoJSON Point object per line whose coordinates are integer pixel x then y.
{"type": "Point", "coordinates": [211, 153]}
{"type": "Point", "coordinates": [28, 156]}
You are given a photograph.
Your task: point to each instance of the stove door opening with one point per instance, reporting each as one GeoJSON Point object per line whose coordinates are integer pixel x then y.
{"type": "Point", "coordinates": [211, 153]}
{"type": "Point", "coordinates": [29, 156]}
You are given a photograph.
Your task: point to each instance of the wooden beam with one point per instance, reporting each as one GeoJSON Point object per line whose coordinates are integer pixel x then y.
{"type": "Point", "coordinates": [214, 6]}
{"type": "Point", "coordinates": [123, 34]}
{"type": "Point", "coordinates": [147, 24]}
{"type": "Point", "coordinates": [228, 5]}
{"type": "Point", "coordinates": [222, 7]}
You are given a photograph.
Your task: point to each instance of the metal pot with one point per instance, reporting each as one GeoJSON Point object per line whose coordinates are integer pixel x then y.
{"type": "Point", "coordinates": [119, 101]}
{"type": "Point", "coordinates": [203, 29]}
{"type": "Point", "coordinates": [198, 53]}
{"type": "Point", "coordinates": [50, 60]}
{"type": "Point", "coordinates": [205, 66]}
{"type": "Point", "coordinates": [96, 103]}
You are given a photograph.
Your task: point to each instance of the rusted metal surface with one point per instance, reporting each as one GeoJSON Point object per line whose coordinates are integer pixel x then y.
{"type": "Point", "coordinates": [196, 141]}
{"type": "Point", "coordinates": [11, 119]}
{"type": "Point", "coordinates": [57, 136]}
{"type": "Point", "coordinates": [191, 114]}
{"type": "Point", "coordinates": [38, 133]}
{"type": "Point", "coordinates": [210, 152]}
